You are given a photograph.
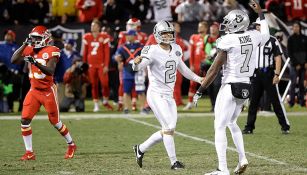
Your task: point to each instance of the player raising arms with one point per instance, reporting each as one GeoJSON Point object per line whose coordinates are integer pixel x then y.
{"type": "Point", "coordinates": [42, 59]}
{"type": "Point", "coordinates": [162, 61]}
{"type": "Point", "coordinates": [237, 54]}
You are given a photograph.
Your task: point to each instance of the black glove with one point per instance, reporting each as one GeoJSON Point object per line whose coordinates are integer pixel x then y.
{"type": "Point", "coordinates": [28, 41]}
{"type": "Point", "coordinates": [196, 97]}
{"type": "Point", "coordinates": [30, 60]}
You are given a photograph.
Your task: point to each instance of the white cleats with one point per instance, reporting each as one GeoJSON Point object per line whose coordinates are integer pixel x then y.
{"type": "Point", "coordinates": [96, 108]}
{"type": "Point", "coordinates": [188, 106]}
{"type": "Point", "coordinates": [241, 167]}
{"type": "Point", "coordinates": [218, 172]}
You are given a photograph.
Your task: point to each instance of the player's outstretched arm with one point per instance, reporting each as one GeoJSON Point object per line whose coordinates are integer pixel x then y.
{"type": "Point", "coordinates": [140, 62]}
{"type": "Point", "coordinates": [188, 73]}
{"type": "Point", "coordinates": [220, 59]}
{"type": "Point", "coordinates": [265, 32]}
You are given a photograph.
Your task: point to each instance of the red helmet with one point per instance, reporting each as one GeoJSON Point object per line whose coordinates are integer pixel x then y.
{"type": "Point", "coordinates": [40, 36]}
{"type": "Point", "coordinates": [133, 24]}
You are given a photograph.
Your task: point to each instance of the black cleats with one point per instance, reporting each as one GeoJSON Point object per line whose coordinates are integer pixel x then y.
{"type": "Point", "coordinates": [138, 155]}
{"type": "Point", "coordinates": [177, 165]}
{"type": "Point", "coordinates": [246, 131]}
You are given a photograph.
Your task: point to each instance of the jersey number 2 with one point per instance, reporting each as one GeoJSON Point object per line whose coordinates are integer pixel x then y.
{"type": "Point", "coordinates": [247, 51]}
{"type": "Point", "coordinates": [170, 72]}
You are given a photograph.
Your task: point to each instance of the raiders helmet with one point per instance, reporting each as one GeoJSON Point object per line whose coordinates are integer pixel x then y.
{"type": "Point", "coordinates": [235, 21]}
{"type": "Point", "coordinates": [162, 27]}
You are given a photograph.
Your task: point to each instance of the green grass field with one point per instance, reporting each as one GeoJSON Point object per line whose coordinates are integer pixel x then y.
{"type": "Point", "coordinates": [105, 145]}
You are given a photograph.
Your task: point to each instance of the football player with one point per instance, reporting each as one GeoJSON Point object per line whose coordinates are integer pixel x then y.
{"type": "Point", "coordinates": [42, 59]}
{"type": "Point", "coordinates": [97, 55]}
{"type": "Point", "coordinates": [162, 61]}
{"type": "Point", "coordinates": [237, 55]}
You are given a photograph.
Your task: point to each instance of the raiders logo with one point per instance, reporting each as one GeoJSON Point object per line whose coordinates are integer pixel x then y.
{"type": "Point", "coordinates": [45, 56]}
{"type": "Point", "coordinates": [245, 93]}
{"type": "Point", "coordinates": [178, 53]}
{"type": "Point", "coordinates": [239, 18]}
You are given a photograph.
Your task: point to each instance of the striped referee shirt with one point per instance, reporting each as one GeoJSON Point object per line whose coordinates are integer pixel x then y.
{"type": "Point", "coordinates": [266, 53]}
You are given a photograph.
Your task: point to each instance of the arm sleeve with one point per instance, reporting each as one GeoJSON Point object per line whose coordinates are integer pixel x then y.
{"type": "Point", "coordinates": [187, 73]}
{"type": "Point", "coordinates": [265, 32]}
{"type": "Point", "coordinates": [144, 63]}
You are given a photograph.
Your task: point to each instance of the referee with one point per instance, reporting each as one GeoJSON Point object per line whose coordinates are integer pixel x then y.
{"type": "Point", "coordinates": [266, 79]}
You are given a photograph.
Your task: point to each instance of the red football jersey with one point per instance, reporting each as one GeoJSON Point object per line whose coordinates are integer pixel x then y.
{"type": "Point", "coordinates": [38, 79]}
{"type": "Point", "coordinates": [296, 9]}
{"type": "Point", "coordinates": [96, 50]}
{"type": "Point", "coordinates": [141, 37]}
{"type": "Point", "coordinates": [197, 49]}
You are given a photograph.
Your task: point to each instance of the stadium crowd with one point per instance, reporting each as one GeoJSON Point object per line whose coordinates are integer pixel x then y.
{"type": "Point", "coordinates": [107, 54]}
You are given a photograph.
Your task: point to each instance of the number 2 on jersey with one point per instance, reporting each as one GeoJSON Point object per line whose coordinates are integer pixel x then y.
{"type": "Point", "coordinates": [170, 72]}
{"type": "Point", "coordinates": [247, 51]}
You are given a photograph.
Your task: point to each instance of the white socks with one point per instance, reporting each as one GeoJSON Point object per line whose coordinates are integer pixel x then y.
{"type": "Point", "coordinates": [238, 140]}
{"type": "Point", "coordinates": [152, 140]}
{"type": "Point", "coordinates": [221, 146]}
{"type": "Point", "coordinates": [169, 144]}
{"type": "Point", "coordinates": [28, 142]}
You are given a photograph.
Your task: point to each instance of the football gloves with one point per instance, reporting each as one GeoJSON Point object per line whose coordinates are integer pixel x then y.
{"type": "Point", "coordinates": [196, 97]}
{"type": "Point", "coordinates": [30, 60]}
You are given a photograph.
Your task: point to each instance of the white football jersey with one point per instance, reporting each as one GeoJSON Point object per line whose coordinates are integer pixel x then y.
{"type": "Point", "coordinates": [241, 51]}
{"type": "Point", "coordinates": [162, 67]}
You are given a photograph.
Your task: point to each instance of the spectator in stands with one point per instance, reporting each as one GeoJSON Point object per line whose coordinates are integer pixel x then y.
{"type": "Point", "coordinates": [97, 54]}
{"type": "Point", "coordinates": [76, 80]}
{"type": "Point", "coordinates": [89, 10]}
{"type": "Point", "coordinates": [197, 55]}
{"type": "Point", "coordinates": [160, 10]}
{"type": "Point", "coordinates": [297, 50]}
{"type": "Point", "coordinates": [7, 48]}
{"type": "Point", "coordinates": [296, 9]}
{"type": "Point", "coordinates": [68, 54]}
{"type": "Point", "coordinates": [125, 54]}
{"type": "Point", "coordinates": [63, 10]}
{"type": "Point", "coordinates": [190, 10]}
{"type": "Point", "coordinates": [114, 13]}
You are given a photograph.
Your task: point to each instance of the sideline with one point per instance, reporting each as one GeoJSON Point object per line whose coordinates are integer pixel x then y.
{"type": "Point", "coordinates": [79, 116]}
